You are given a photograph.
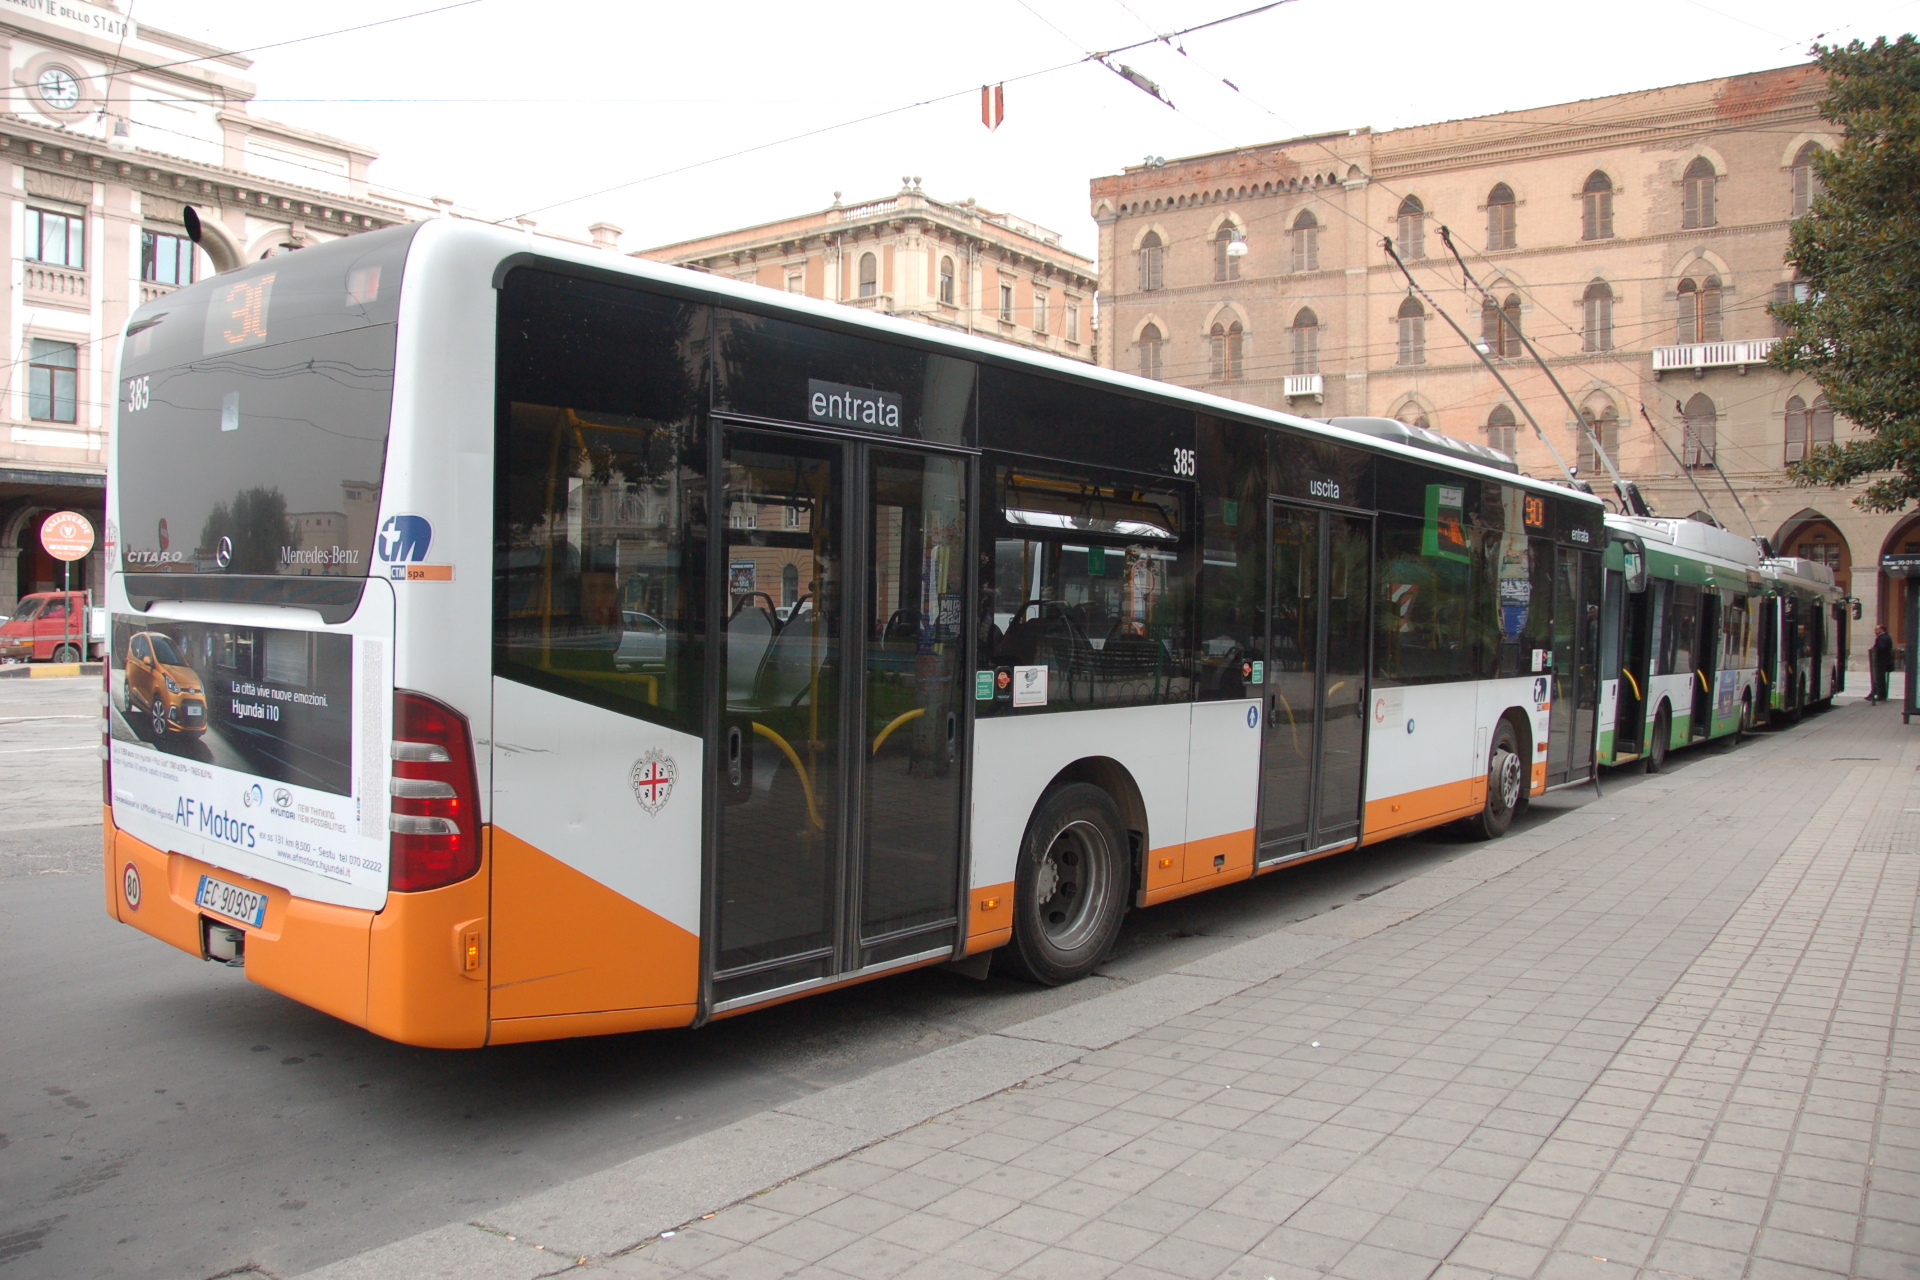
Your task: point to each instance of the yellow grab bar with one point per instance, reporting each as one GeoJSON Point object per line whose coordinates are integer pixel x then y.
{"type": "Point", "coordinates": [813, 810]}
{"type": "Point", "coordinates": [1630, 680]}
{"type": "Point", "coordinates": [895, 723]}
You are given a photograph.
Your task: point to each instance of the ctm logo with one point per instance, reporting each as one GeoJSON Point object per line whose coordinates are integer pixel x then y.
{"type": "Point", "coordinates": [405, 539]}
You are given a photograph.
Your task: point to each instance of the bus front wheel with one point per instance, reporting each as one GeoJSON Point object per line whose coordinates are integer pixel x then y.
{"type": "Point", "coordinates": [1070, 888]}
{"type": "Point", "coordinates": [1506, 786]}
{"type": "Point", "coordinates": [1662, 738]}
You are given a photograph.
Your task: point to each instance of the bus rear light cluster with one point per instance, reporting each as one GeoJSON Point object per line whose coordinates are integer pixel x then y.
{"type": "Point", "coordinates": [434, 809]}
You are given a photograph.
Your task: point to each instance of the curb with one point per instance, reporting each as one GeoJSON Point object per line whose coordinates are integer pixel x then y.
{"type": "Point", "coordinates": [43, 670]}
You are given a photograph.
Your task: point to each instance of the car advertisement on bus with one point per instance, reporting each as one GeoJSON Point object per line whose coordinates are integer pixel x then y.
{"type": "Point", "coordinates": [241, 740]}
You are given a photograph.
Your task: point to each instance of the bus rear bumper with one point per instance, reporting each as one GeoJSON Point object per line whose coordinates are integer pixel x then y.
{"type": "Point", "coordinates": [399, 972]}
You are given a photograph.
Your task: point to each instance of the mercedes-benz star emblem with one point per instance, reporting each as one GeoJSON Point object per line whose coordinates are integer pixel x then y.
{"type": "Point", "coordinates": [223, 556]}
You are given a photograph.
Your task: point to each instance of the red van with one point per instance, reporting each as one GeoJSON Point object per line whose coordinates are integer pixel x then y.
{"type": "Point", "coordinates": [47, 626]}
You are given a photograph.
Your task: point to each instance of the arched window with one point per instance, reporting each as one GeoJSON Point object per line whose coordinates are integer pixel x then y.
{"type": "Point", "coordinates": [1306, 242]}
{"type": "Point", "coordinates": [1150, 344]}
{"type": "Point", "coordinates": [1500, 217]}
{"type": "Point", "coordinates": [1151, 254]}
{"type": "Point", "coordinates": [1501, 429]}
{"type": "Point", "coordinates": [1411, 230]}
{"type": "Point", "coordinates": [946, 281]}
{"type": "Point", "coordinates": [1697, 198]}
{"type": "Point", "coordinates": [1224, 346]}
{"type": "Point", "coordinates": [1306, 341]}
{"type": "Point", "coordinates": [1596, 207]}
{"type": "Point", "coordinates": [1819, 424]}
{"type": "Point", "coordinates": [1603, 427]}
{"type": "Point", "coordinates": [1411, 415]}
{"type": "Point", "coordinates": [1702, 421]}
{"type": "Point", "coordinates": [1699, 310]}
{"type": "Point", "coordinates": [1225, 265]}
{"type": "Point", "coordinates": [1596, 328]}
{"type": "Point", "coordinates": [1500, 327]}
{"type": "Point", "coordinates": [1806, 181]}
{"type": "Point", "coordinates": [1796, 429]}
{"type": "Point", "coordinates": [790, 584]}
{"type": "Point", "coordinates": [869, 275]}
{"type": "Point", "coordinates": [1413, 332]}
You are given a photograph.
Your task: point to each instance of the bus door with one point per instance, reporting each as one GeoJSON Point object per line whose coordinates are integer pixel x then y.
{"type": "Point", "coordinates": [1706, 661]}
{"type": "Point", "coordinates": [1572, 717]}
{"type": "Point", "coordinates": [842, 713]}
{"type": "Point", "coordinates": [1793, 637]}
{"type": "Point", "coordinates": [1317, 646]}
{"type": "Point", "coordinates": [1636, 666]}
{"type": "Point", "coordinates": [1767, 652]}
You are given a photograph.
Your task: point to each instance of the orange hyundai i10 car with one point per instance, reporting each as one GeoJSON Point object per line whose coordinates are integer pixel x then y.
{"type": "Point", "coordinates": [159, 682]}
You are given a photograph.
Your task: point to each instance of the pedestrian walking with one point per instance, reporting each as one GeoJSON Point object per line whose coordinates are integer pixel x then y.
{"type": "Point", "coordinates": [1880, 663]}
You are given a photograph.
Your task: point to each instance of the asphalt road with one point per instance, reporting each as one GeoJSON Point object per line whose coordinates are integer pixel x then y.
{"type": "Point", "coordinates": [161, 1116]}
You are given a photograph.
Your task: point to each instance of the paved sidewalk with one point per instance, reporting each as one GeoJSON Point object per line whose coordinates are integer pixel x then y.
{"type": "Point", "coordinates": [1670, 1034]}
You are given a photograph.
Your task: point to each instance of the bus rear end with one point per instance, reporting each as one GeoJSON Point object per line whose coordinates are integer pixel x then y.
{"type": "Point", "coordinates": [271, 800]}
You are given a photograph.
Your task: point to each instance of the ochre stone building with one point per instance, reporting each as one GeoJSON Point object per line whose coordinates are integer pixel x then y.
{"type": "Point", "coordinates": [1636, 240]}
{"type": "Point", "coordinates": [954, 265]}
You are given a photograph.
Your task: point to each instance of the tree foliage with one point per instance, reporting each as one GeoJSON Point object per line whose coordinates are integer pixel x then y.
{"type": "Point", "coordinates": [1855, 327]}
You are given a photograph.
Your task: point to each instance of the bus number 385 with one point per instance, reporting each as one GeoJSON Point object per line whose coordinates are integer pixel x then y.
{"type": "Point", "coordinates": [139, 394]}
{"type": "Point", "coordinates": [1183, 462]}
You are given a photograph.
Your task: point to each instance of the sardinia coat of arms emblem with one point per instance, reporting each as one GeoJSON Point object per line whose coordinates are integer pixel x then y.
{"type": "Point", "coordinates": [652, 779]}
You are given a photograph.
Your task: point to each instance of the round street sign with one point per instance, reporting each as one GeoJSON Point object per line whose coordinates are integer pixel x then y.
{"type": "Point", "coordinates": [66, 535]}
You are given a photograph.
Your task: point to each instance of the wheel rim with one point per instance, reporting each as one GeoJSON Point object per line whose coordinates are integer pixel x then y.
{"type": "Point", "coordinates": [1505, 779]}
{"type": "Point", "coordinates": [159, 721]}
{"type": "Point", "coordinates": [1071, 883]}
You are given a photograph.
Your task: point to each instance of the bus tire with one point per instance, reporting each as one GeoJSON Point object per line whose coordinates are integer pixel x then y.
{"type": "Point", "coordinates": [1506, 787]}
{"type": "Point", "coordinates": [1745, 727]}
{"type": "Point", "coordinates": [1662, 738]}
{"type": "Point", "coordinates": [1070, 887]}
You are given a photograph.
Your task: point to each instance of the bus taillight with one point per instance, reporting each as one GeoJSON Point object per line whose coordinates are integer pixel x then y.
{"type": "Point", "coordinates": [435, 812]}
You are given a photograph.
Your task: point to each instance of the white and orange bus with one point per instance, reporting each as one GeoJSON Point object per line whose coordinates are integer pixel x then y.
{"type": "Point", "coordinates": [538, 643]}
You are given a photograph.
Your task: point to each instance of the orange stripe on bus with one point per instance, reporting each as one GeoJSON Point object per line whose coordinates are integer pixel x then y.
{"type": "Point", "coordinates": [989, 917]}
{"type": "Point", "coordinates": [417, 989]}
{"type": "Point", "coordinates": [563, 943]}
{"type": "Point", "coordinates": [1427, 807]}
{"type": "Point", "coordinates": [559, 1026]}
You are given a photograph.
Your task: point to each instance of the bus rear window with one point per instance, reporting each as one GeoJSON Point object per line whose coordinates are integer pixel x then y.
{"type": "Point", "coordinates": [254, 410]}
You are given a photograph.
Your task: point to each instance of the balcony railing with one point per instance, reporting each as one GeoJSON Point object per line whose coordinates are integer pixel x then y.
{"type": "Point", "coordinates": [1306, 384]}
{"type": "Point", "coordinates": [151, 289]}
{"type": "Point", "coordinates": [881, 302]}
{"type": "Point", "coordinates": [1701, 356]}
{"type": "Point", "coordinates": [61, 286]}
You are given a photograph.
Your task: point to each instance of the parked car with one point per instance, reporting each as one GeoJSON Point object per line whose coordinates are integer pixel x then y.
{"type": "Point", "coordinates": [159, 683]}
{"type": "Point", "coordinates": [643, 642]}
{"type": "Point", "coordinates": [47, 626]}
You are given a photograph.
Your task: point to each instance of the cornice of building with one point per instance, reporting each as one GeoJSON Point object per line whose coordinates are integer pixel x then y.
{"type": "Point", "coordinates": [1654, 126]}
{"type": "Point", "coordinates": [909, 209]}
{"type": "Point", "coordinates": [174, 178]}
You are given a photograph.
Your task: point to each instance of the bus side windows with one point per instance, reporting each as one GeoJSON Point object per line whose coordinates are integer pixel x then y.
{"type": "Point", "coordinates": [1422, 609]}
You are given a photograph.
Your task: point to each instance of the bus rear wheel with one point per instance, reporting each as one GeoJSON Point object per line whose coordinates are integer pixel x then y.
{"type": "Point", "coordinates": [1070, 886]}
{"type": "Point", "coordinates": [1506, 786]}
{"type": "Point", "coordinates": [1662, 736]}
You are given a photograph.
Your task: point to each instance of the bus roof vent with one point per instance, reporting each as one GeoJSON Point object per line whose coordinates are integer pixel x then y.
{"type": "Point", "coordinates": [1432, 441]}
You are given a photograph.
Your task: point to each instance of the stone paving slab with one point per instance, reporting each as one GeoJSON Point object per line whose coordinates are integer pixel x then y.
{"type": "Point", "coordinates": [1504, 1068]}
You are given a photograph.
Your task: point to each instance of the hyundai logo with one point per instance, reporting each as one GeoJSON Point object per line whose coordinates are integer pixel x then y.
{"type": "Point", "coordinates": [223, 555]}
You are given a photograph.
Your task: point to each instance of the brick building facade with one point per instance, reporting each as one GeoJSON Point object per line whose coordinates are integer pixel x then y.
{"type": "Point", "coordinates": [1635, 240]}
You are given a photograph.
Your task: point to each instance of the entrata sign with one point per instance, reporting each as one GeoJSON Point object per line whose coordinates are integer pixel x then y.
{"type": "Point", "coordinates": [66, 535]}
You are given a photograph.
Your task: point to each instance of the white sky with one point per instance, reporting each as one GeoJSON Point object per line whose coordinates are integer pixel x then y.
{"type": "Point", "coordinates": [507, 106]}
